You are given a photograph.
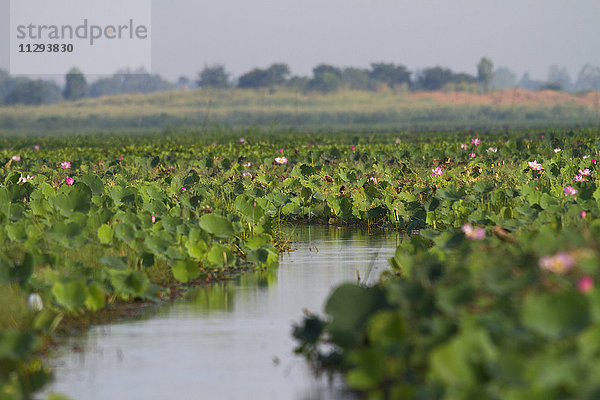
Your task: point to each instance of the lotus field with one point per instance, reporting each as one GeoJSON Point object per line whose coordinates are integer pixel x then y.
{"type": "Point", "coordinates": [491, 293]}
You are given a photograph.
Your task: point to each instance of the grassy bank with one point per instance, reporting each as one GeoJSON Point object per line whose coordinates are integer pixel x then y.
{"type": "Point", "coordinates": [277, 110]}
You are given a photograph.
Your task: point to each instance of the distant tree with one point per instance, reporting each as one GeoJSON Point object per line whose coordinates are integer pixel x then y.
{"type": "Point", "coordinates": [275, 75]}
{"type": "Point", "coordinates": [127, 81]}
{"type": "Point", "coordinates": [106, 86]}
{"type": "Point", "coordinates": [5, 84]}
{"type": "Point", "coordinates": [529, 84]}
{"type": "Point", "coordinates": [214, 77]}
{"type": "Point", "coordinates": [390, 74]}
{"type": "Point", "coordinates": [183, 82]}
{"type": "Point", "coordinates": [326, 78]}
{"type": "Point", "coordinates": [298, 83]}
{"type": "Point", "coordinates": [559, 78]}
{"type": "Point", "coordinates": [551, 86]}
{"type": "Point", "coordinates": [255, 78]}
{"type": "Point", "coordinates": [76, 85]}
{"type": "Point", "coordinates": [435, 78]}
{"type": "Point", "coordinates": [30, 92]}
{"type": "Point", "coordinates": [588, 78]}
{"type": "Point", "coordinates": [485, 73]}
{"type": "Point", "coordinates": [504, 78]}
{"type": "Point", "coordinates": [278, 74]}
{"type": "Point", "coordinates": [357, 78]}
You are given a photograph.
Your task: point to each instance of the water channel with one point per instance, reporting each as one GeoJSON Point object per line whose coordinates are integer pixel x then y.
{"type": "Point", "coordinates": [227, 341]}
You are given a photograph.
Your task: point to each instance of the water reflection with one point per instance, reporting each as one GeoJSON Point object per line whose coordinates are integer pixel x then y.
{"type": "Point", "coordinates": [230, 340]}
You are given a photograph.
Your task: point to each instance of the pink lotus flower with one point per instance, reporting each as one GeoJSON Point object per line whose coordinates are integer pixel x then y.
{"type": "Point", "coordinates": [472, 155]}
{"type": "Point", "coordinates": [280, 150]}
{"type": "Point", "coordinates": [585, 284]}
{"type": "Point", "coordinates": [475, 141]}
{"type": "Point", "coordinates": [472, 233]}
{"type": "Point", "coordinates": [543, 136]}
{"type": "Point", "coordinates": [594, 162]}
{"type": "Point", "coordinates": [463, 146]}
{"type": "Point", "coordinates": [281, 160]}
{"type": "Point", "coordinates": [27, 178]}
{"type": "Point", "coordinates": [579, 178]}
{"type": "Point", "coordinates": [246, 174]}
{"type": "Point", "coordinates": [582, 214]}
{"type": "Point", "coordinates": [248, 164]}
{"type": "Point", "coordinates": [373, 179]}
{"type": "Point", "coordinates": [534, 165]}
{"type": "Point", "coordinates": [556, 150]}
{"type": "Point", "coordinates": [353, 148]}
{"type": "Point", "coordinates": [183, 189]}
{"type": "Point", "coordinates": [397, 141]}
{"type": "Point", "coordinates": [585, 172]}
{"type": "Point", "coordinates": [153, 219]}
{"type": "Point", "coordinates": [36, 147]}
{"type": "Point", "coordinates": [120, 158]}
{"type": "Point", "coordinates": [242, 140]}
{"type": "Point", "coordinates": [570, 191]}
{"type": "Point", "coordinates": [65, 165]}
{"type": "Point", "coordinates": [559, 263]}
{"type": "Point", "coordinates": [69, 181]}
{"type": "Point", "coordinates": [586, 156]}
{"type": "Point", "coordinates": [492, 149]}
{"type": "Point", "coordinates": [437, 171]}
{"type": "Point", "coordinates": [16, 158]}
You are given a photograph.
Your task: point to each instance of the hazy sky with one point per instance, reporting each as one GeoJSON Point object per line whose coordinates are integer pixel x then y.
{"type": "Point", "coordinates": [525, 35]}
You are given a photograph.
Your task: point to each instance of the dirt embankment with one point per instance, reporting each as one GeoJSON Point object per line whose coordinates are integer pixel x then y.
{"type": "Point", "coordinates": [514, 97]}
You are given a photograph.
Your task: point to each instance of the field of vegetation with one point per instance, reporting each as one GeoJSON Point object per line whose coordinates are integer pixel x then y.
{"type": "Point", "coordinates": [281, 109]}
{"type": "Point", "coordinates": [491, 293]}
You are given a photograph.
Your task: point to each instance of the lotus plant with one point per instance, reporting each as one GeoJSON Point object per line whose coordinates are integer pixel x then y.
{"type": "Point", "coordinates": [473, 233]}
{"type": "Point", "coordinates": [559, 263]}
{"type": "Point", "coordinates": [437, 171]}
{"type": "Point", "coordinates": [570, 191]}
{"type": "Point", "coordinates": [585, 284]}
{"type": "Point", "coordinates": [534, 165]}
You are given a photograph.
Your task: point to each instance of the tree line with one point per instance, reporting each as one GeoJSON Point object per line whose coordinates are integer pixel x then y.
{"type": "Point", "coordinates": [325, 78]}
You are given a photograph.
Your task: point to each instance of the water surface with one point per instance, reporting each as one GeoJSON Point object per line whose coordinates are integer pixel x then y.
{"type": "Point", "coordinates": [227, 341]}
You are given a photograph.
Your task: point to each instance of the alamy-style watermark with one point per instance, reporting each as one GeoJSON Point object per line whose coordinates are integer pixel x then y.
{"type": "Point", "coordinates": [52, 36]}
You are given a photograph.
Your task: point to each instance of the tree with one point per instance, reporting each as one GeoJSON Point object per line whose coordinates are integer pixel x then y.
{"type": "Point", "coordinates": [326, 78]}
{"type": "Point", "coordinates": [435, 78]}
{"type": "Point", "coordinates": [390, 74]}
{"type": "Point", "coordinates": [558, 79]}
{"type": "Point", "coordinates": [529, 84]}
{"type": "Point", "coordinates": [214, 77]}
{"type": "Point", "coordinates": [76, 85]}
{"type": "Point", "coordinates": [504, 78]}
{"type": "Point", "coordinates": [127, 81]}
{"type": "Point", "coordinates": [588, 78]}
{"type": "Point", "coordinates": [29, 92]}
{"type": "Point", "coordinates": [255, 78]}
{"type": "Point", "coordinates": [275, 75]}
{"type": "Point", "coordinates": [183, 82]}
{"type": "Point", "coordinates": [485, 73]}
{"type": "Point", "coordinates": [357, 78]}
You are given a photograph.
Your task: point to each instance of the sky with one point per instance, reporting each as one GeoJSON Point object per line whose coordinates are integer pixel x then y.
{"type": "Point", "coordinates": [524, 35]}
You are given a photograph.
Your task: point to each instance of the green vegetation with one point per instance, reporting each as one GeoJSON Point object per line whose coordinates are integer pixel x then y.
{"type": "Point", "coordinates": [493, 294]}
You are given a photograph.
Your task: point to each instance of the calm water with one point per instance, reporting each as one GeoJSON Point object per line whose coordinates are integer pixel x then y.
{"type": "Point", "coordinates": [229, 341]}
